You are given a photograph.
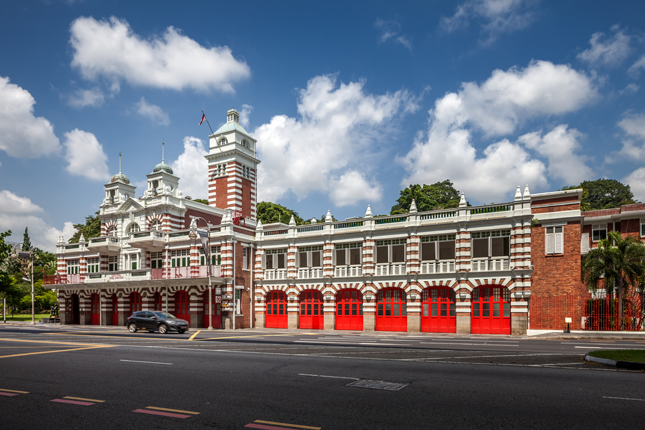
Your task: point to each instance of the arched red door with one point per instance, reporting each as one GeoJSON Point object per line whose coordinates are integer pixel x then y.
{"type": "Point", "coordinates": [158, 304]}
{"type": "Point", "coordinates": [311, 310]}
{"type": "Point", "coordinates": [491, 310]}
{"type": "Point", "coordinates": [216, 310]}
{"type": "Point", "coordinates": [438, 313]}
{"type": "Point", "coordinates": [115, 310]}
{"type": "Point", "coordinates": [391, 310]}
{"type": "Point", "coordinates": [96, 309]}
{"type": "Point", "coordinates": [182, 306]}
{"type": "Point", "coordinates": [276, 310]}
{"type": "Point", "coordinates": [349, 310]}
{"type": "Point", "coordinates": [135, 303]}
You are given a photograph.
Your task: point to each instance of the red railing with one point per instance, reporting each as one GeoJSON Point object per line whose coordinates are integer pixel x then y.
{"type": "Point", "coordinates": [54, 280]}
{"type": "Point", "coordinates": [602, 313]}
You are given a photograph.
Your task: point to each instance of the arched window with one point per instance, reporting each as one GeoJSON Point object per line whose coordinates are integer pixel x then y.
{"type": "Point", "coordinates": [134, 228]}
{"type": "Point", "coordinates": [155, 225]}
{"type": "Point", "coordinates": [223, 141]}
{"type": "Point", "coordinates": [112, 231]}
{"type": "Point", "coordinates": [244, 144]}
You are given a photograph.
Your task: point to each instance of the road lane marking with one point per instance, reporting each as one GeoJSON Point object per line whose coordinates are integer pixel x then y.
{"type": "Point", "coordinates": [73, 402]}
{"type": "Point", "coordinates": [164, 414]}
{"type": "Point", "coordinates": [147, 362]}
{"type": "Point", "coordinates": [385, 344]}
{"type": "Point", "coordinates": [172, 410]}
{"type": "Point", "coordinates": [193, 336]}
{"type": "Point", "coordinates": [14, 391]}
{"type": "Point", "coordinates": [84, 400]}
{"type": "Point", "coordinates": [469, 344]}
{"type": "Point", "coordinates": [623, 398]}
{"type": "Point", "coordinates": [59, 350]}
{"type": "Point", "coordinates": [327, 376]}
{"type": "Point", "coordinates": [285, 424]}
{"type": "Point", "coordinates": [262, 335]}
{"type": "Point", "coordinates": [48, 341]}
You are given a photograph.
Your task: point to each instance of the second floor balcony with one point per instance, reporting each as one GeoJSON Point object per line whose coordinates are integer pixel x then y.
{"type": "Point", "coordinates": [147, 274]}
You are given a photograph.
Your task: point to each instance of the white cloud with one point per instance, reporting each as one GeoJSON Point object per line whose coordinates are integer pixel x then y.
{"type": "Point", "coordinates": [495, 17]}
{"type": "Point", "coordinates": [636, 181]}
{"type": "Point", "coordinates": [496, 107]}
{"type": "Point", "coordinates": [339, 129]}
{"type": "Point", "coordinates": [629, 89]}
{"type": "Point", "coordinates": [82, 98]}
{"type": "Point", "coordinates": [352, 187]}
{"type": "Point", "coordinates": [85, 155]}
{"type": "Point", "coordinates": [559, 146]}
{"type": "Point", "coordinates": [245, 115]}
{"type": "Point", "coordinates": [173, 61]}
{"type": "Point", "coordinates": [390, 30]}
{"type": "Point", "coordinates": [635, 70]}
{"type": "Point", "coordinates": [152, 112]}
{"type": "Point", "coordinates": [17, 212]}
{"type": "Point", "coordinates": [634, 140]}
{"type": "Point", "coordinates": [22, 135]}
{"type": "Point", "coordinates": [607, 51]}
{"type": "Point", "coordinates": [192, 168]}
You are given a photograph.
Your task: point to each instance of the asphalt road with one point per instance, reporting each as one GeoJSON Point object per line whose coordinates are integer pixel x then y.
{"type": "Point", "coordinates": [282, 379]}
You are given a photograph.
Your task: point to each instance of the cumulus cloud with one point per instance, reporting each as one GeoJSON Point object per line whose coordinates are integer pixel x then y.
{"type": "Point", "coordinates": [390, 30]}
{"type": "Point", "coordinates": [18, 212]}
{"type": "Point", "coordinates": [633, 126]}
{"type": "Point", "coordinates": [85, 155]}
{"type": "Point", "coordinates": [635, 70]}
{"type": "Point", "coordinates": [607, 51]}
{"type": "Point", "coordinates": [494, 16]}
{"type": "Point", "coordinates": [153, 112]}
{"type": "Point", "coordinates": [352, 187]}
{"type": "Point", "coordinates": [497, 107]}
{"type": "Point", "coordinates": [192, 168]}
{"type": "Point", "coordinates": [340, 128]}
{"type": "Point", "coordinates": [23, 135]}
{"type": "Point", "coordinates": [245, 115]}
{"type": "Point", "coordinates": [82, 98]}
{"type": "Point", "coordinates": [110, 49]}
{"type": "Point", "coordinates": [636, 181]}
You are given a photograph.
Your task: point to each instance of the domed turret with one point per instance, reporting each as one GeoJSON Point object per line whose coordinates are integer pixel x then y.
{"type": "Point", "coordinates": [162, 167]}
{"type": "Point", "coordinates": [120, 177]}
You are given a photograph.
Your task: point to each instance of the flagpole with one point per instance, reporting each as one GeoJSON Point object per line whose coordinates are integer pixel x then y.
{"type": "Point", "coordinates": [209, 124]}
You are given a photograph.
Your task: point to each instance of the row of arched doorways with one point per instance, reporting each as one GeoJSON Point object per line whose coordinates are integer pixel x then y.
{"type": "Point", "coordinates": [490, 310]}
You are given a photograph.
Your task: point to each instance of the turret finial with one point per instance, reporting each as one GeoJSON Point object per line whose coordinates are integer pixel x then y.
{"type": "Point", "coordinates": [163, 144]}
{"type": "Point", "coordinates": [119, 161]}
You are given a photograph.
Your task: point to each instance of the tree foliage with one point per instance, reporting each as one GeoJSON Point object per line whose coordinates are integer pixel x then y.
{"type": "Point", "coordinates": [440, 195]}
{"type": "Point", "coordinates": [272, 212]}
{"type": "Point", "coordinates": [202, 201]}
{"type": "Point", "coordinates": [603, 194]}
{"type": "Point", "coordinates": [91, 228]}
{"type": "Point", "coordinates": [5, 252]}
{"type": "Point", "coordinates": [26, 242]}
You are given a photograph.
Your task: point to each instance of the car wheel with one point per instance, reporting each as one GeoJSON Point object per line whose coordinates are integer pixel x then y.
{"type": "Point", "coordinates": [181, 331]}
{"type": "Point", "coordinates": [132, 327]}
{"type": "Point", "coordinates": [163, 329]}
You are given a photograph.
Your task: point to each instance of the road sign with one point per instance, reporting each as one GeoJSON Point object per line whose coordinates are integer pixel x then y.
{"type": "Point", "coordinates": [218, 299]}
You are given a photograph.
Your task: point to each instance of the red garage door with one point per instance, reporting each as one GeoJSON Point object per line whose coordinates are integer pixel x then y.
{"type": "Point", "coordinates": [491, 310]}
{"type": "Point", "coordinates": [438, 313]}
{"type": "Point", "coordinates": [276, 310]}
{"type": "Point", "coordinates": [215, 310]}
{"type": "Point", "coordinates": [349, 310]}
{"type": "Point", "coordinates": [135, 303]}
{"type": "Point", "coordinates": [96, 309]}
{"type": "Point", "coordinates": [391, 310]}
{"type": "Point", "coordinates": [311, 310]}
{"type": "Point", "coordinates": [182, 306]}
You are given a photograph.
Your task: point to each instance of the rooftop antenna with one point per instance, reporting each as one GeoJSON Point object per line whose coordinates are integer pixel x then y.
{"type": "Point", "coordinates": [162, 150]}
{"type": "Point", "coordinates": [119, 161]}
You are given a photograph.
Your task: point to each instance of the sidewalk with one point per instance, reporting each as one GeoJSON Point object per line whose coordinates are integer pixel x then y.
{"type": "Point", "coordinates": [588, 334]}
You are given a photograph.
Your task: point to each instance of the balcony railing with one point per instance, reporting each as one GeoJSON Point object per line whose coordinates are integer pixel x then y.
{"type": "Point", "coordinates": [310, 272]}
{"type": "Point", "coordinates": [428, 267]}
{"type": "Point", "coordinates": [390, 269]}
{"type": "Point", "coordinates": [271, 274]}
{"type": "Point", "coordinates": [136, 275]}
{"type": "Point", "coordinates": [488, 264]}
{"type": "Point", "coordinates": [343, 271]}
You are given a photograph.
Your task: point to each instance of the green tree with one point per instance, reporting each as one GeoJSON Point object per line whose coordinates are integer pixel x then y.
{"type": "Point", "coordinates": [272, 212]}
{"type": "Point", "coordinates": [619, 261]}
{"type": "Point", "coordinates": [91, 228]}
{"type": "Point", "coordinates": [5, 253]}
{"type": "Point", "coordinates": [440, 195]}
{"type": "Point", "coordinates": [202, 201]}
{"type": "Point", "coordinates": [26, 242]}
{"type": "Point", "coordinates": [603, 194]}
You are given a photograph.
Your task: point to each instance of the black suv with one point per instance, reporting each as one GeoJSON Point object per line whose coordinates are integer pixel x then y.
{"type": "Point", "coordinates": [152, 321]}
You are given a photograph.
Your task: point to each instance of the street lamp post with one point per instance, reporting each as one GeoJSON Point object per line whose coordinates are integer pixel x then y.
{"type": "Point", "coordinates": [29, 254]}
{"type": "Point", "coordinates": [209, 263]}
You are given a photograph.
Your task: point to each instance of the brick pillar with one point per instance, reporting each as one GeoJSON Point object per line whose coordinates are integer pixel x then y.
{"type": "Point", "coordinates": [292, 270]}
{"type": "Point", "coordinates": [463, 251]}
{"type": "Point", "coordinates": [195, 308]}
{"type": "Point", "coordinates": [292, 310]}
{"type": "Point", "coordinates": [368, 257]}
{"type": "Point", "coordinates": [369, 307]}
{"type": "Point", "coordinates": [329, 311]}
{"type": "Point", "coordinates": [463, 306]}
{"type": "Point", "coordinates": [414, 308]}
{"type": "Point", "coordinates": [328, 259]}
{"type": "Point", "coordinates": [412, 261]}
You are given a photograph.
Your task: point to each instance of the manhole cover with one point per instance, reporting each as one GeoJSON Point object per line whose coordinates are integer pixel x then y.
{"type": "Point", "coordinates": [377, 385]}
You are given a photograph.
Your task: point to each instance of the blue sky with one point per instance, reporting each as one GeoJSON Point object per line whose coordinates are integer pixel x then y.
{"type": "Point", "coordinates": [350, 101]}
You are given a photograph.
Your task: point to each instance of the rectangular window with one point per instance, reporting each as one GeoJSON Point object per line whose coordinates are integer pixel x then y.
{"type": "Point", "coordinates": [245, 258]}
{"type": "Point", "coordinates": [491, 244]}
{"type": "Point", "coordinates": [310, 256]}
{"type": "Point", "coordinates": [348, 253]}
{"type": "Point", "coordinates": [93, 265]}
{"type": "Point", "coordinates": [554, 240]}
{"type": "Point", "coordinates": [274, 258]}
{"type": "Point", "coordinates": [281, 261]}
{"type": "Point", "coordinates": [156, 260]}
{"type": "Point", "coordinates": [480, 248]}
{"type": "Point", "coordinates": [238, 302]}
{"type": "Point", "coordinates": [113, 264]}
{"type": "Point", "coordinates": [500, 247]}
{"type": "Point", "coordinates": [340, 257]}
{"type": "Point", "coordinates": [391, 251]}
{"type": "Point", "coordinates": [447, 250]}
{"type": "Point", "coordinates": [599, 232]}
{"type": "Point", "coordinates": [133, 260]}
{"type": "Point", "coordinates": [445, 247]}
{"type": "Point", "coordinates": [428, 251]}
{"type": "Point", "coordinates": [180, 258]}
{"type": "Point", "coordinates": [73, 267]}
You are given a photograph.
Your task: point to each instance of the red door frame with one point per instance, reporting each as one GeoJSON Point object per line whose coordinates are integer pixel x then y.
{"type": "Point", "coordinates": [182, 306]}
{"type": "Point", "coordinates": [217, 311]}
{"type": "Point", "coordinates": [276, 310]}
{"type": "Point", "coordinates": [391, 310]}
{"type": "Point", "coordinates": [491, 310]}
{"type": "Point", "coordinates": [311, 310]}
{"type": "Point", "coordinates": [96, 309]}
{"type": "Point", "coordinates": [438, 310]}
{"type": "Point", "coordinates": [115, 310]}
{"type": "Point", "coordinates": [158, 306]}
{"type": "Point", "coordinates": [349, 309]}
{"type": "Point", "coordinates": [135, 303]}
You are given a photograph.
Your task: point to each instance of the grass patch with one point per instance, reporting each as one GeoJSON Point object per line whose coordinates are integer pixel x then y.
{"type": "Point", "coordinates": [633, 355]}
{"type": "Point", "coordinates": [24, 317]}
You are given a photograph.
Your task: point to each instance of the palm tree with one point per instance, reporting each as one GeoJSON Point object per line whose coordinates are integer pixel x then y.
{"type": "Point", "coordinates": [620, 261]}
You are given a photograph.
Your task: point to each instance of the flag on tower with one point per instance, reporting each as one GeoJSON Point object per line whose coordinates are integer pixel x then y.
{"type": "Point", "coordinates": [203, 118]}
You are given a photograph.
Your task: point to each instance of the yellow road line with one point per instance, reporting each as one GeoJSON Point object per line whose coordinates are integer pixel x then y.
{"type": "Point", "coordinates": [193, 336]}
{"type": "Point", "coordinates": [44, 341]}
{"type": "Point", "coordinates": [288, 425]}
{"type": "Point", "coordinates": [60, 350]}
{"type": "Point", "coordinates": [262, 335]}
{"type": "Point", "coordinates": [172, 410]}
{"type": "Point", "coordinates": [23, 347]}
{"type": "Point", "coordinates": [87, 400]}
{"type": "Point", "coordinates": [14, 391]}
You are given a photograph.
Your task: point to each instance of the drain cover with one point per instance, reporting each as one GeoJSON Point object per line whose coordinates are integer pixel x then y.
{"type": "Point", "coordinates": [377, 385]}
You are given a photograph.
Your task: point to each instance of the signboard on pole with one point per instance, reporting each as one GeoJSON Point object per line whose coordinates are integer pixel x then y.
{"type": "Point", "coordinates": [203, 235]}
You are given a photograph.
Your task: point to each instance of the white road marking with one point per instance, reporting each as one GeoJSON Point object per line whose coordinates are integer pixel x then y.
{"type": "Point", "coordinates": [327, 376]}
{"type": "Point", "coordinates": [147, 362]}
{"type": "Point", "coordinates": [386, 344]}
{"type": "Point", "coordinates": [470, 344]}
{"type": "Point", "coordinates": [589, 347]}
{"type": "Point", "coordinates": [623, 398]}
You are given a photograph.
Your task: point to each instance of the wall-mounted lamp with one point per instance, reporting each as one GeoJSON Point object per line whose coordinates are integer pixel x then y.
{"type": "Point", "coordinates": [463, 295]}
{"type": "Point", "coordinates": [259, 299]}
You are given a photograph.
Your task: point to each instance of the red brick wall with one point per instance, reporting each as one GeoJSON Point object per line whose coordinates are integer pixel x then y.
{"type": "Point", "coordinates": [213, 219]}
{"type": "Point", "coordinates": [246, 197]}
{"type": "Point", "coordinates": [571, 207]}
{"type": "Point", "coordinates": [243, 277]}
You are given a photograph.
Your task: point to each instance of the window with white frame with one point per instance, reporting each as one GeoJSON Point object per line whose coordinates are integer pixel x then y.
{"type": "Point", "coordinates": [491, 244]}
{"type": "Point", "coordinates": [439, 247]}
{"type": "Point", "coordinates": [244, 143]}
{"type": "Point", "coordinates": [73, 266]}
{"type": "Point", "coordinates": [246, 172]}
{"type": "Point", "coordinates": [112, 231]}
{"type": "Point", "coordinates": [390, 251]}
{"type": "Point", "coordinates": [275, 258]}
{"type": "Point", "coordinates": [348, 254]}
{"type": "Point", "coordinates": [238, 302]}
{"type": "Point", "coordinates": [134, 258]}
{"type": "Point", "coordinates": [246, 254]}
{"type": "Point", "coordinates": [220, 170]}
{"type": "Point", "coordinates": [599, 232]}
{"type": "Point", "coordinates": [180, 258]}
{"type": "Point", "coordinates": [643, 227]}
{"type": "Point", "coordinates": [216, 256]}
{"type": "Point", "coordinates": [113, 263]}
{"type": "Point", "coordinates": [155, 225]}
{"type": "Point", "coordinates": [156, 260]}
{"type": "Point", "coordinates": [134, 228]}
{"type": "Point", "coordinates": [310, 256]}
{"type": "Point", "coordinates": [554, 240]}
{"type": "Point", "coordinates": [93, 265]}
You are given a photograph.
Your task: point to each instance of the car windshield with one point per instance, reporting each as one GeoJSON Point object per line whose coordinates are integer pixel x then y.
{"type": "Point", "coordinates": [163, 315]}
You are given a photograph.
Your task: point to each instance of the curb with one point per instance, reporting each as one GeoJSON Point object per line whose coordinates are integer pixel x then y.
{"type": "Point", "coordinates": [616, 363]}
